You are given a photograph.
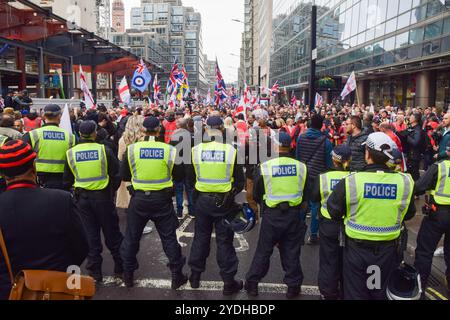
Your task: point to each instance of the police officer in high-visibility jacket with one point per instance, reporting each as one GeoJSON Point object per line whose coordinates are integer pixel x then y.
{"type": "Point", "coordinates": [374, 202]}
{"type": "Point", "coordinates": [149, 165]}
{"type": "Point", "coordinates": [280, 189]}
{"type": "Point", "coordinates": [51, 144]}
{"type": "Point", "coordinates": [437, 221]}
{"type": "Point", "coordinates": [330, 253]}
{"type": "Point", "coordinates": [218, 179]}
{"type": "Point", "coordinates": [3, 140]}
{"type": "Point", "coordinates": [93, 171]}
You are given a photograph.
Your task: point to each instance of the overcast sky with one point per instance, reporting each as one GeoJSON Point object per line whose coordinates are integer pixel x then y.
{"type": "Point", "coordinates": [221, 36]}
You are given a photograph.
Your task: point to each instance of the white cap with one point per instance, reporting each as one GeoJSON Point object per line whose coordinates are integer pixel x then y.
{"type": "Point", "coordinates": [379, 141]}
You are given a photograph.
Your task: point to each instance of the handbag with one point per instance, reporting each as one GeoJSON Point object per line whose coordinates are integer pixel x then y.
{"type": "Point", "coordinates": [45, 284]}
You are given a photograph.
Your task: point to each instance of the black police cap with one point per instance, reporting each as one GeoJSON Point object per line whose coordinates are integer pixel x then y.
{"type": "Point", "coordinates": [52, 110]}
{"type": "Point", "coordinates": [87, 128]}
{"type": "Point", "coordinates": [151, 123]}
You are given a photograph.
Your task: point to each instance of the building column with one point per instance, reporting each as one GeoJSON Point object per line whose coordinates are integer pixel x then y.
{"type": "Point", "coordinates": [94, 83]}
{"type": "Point", "coordinates": [363, 87]}
{"type": "Point", "coordinates": [41, 84]}
{"type": "Point", "coordinates": [423, 89]}
{"type": "Point", "coordinates": [113, 85]}
{"type": "Point", "coordinates": [21, 67]}
{"type": "Point", "coordinates": [67, 70]}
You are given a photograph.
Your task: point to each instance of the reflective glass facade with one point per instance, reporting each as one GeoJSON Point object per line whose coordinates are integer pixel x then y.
{"type": "Point", "coordinates": [370, 37]}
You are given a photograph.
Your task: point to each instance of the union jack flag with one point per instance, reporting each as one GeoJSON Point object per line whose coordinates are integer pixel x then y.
{"type": "Point", "coordinates": [175, 78]}
{"type": "Point", "coordinates": [220, 88]}
{"type": "Point", "coordinates": [156, 89]}
{"type": "Point", "coordinates": [275, 89]}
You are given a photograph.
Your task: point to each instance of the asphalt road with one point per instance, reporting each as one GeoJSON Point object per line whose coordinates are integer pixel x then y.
{"type": "Point", "coordinates": [153, 279]}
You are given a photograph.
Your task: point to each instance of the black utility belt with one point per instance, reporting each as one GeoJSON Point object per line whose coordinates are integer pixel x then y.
{"type": "Point", "coordinates": [371, 244]}
{"type": "Point", "coordinates": [212, 194]}
{"type": "Point", "coordinates": [283, 207]}
{"type": "Point", "coordinates": [148, 193]}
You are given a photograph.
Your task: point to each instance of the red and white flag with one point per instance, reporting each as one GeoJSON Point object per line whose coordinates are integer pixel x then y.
{"type": "Point", "coordinates": [241, 109]}
{"type": "Point", "coordinates": [319, 100]}
{"type": "Point", "coordinates": [293, 99]}
{"type": "Point", "coordinates": [88, 98]}
{"type": "Point", "coordinates": [124, 91]}
{"type": "Point", "coordinates": [350, 86]}
{"type": "Point", "coordinates": [247, 95]}
{"type": "Point", "coordinates": [156, 89]}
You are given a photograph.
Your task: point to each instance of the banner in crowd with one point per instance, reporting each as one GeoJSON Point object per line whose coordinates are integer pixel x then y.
{"type": "Point", "coordinates": [88, 98]}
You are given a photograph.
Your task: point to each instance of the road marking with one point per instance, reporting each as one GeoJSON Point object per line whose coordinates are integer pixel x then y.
{"type": "Point", "coordinates": [429, 296]}
{"type": "Point", "coordinates": [204, 286]}
{"type": "Point", "coordinates": [437, 294]}
{"type": "Point", "coordinates": [243, 244]}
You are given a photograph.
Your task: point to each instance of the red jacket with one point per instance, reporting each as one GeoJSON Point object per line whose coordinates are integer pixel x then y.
{"type": "Point", "coordinates": [29, 125]}
{"type": "Point", "coordinates": [169, 128]}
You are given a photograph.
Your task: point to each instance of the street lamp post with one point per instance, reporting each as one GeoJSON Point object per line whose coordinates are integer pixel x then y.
{"type": "Point", "coordinates": [312, 63]}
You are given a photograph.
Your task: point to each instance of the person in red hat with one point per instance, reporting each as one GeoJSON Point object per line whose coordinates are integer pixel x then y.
{"type": "Point", "coordinates": [51, 235]}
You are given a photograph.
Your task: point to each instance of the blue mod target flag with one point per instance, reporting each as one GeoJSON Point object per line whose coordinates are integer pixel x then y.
{"type": "Point", "coordinates": [142, 77]}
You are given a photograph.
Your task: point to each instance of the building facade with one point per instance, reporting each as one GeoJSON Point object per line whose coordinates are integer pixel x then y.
{"type": "Point", "coordinates": [177, 29]}
{"type": "Point", "coordinates": [83, 12]}
{"type": "Point", "coordinates": [399, 49]}
{"type": "Point", "coordinates": [118, 16]}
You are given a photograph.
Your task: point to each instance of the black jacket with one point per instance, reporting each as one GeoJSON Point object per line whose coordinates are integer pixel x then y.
{"type": "Point", "coordinates": [42, 230]}
{"type": "Point", "coordinates": [113, 171]}
{"type": "Point", "coordinates": [337, 204]}
{"type": "Point", "coordinates": [415, 143]}
{"type": "Point", "coordinates": [358, 151]}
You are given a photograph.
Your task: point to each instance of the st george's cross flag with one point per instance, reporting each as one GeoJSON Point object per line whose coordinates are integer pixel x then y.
{"type": "Point", "coordinates": [350, 86]}
{"type": "Point", "coordinates": [124, 91]}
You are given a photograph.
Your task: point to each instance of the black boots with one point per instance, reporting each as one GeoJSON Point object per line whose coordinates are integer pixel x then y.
{"type": "Point", "coordinates": [178, 279]}
{"type": "Point", "coordinates": [251, 288]}
{"type": "Point", "coordinates": [231, 288]}
{"type": "Point", "coordinates": [194, 280]}
{"type": "Point", "coordinates": [128, 279]}
{"type": "Point", "coordinates": [293, 292]}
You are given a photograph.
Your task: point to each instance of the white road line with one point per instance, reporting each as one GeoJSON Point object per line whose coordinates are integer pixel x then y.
{"type": "Point", "coordinates": [205, 286]}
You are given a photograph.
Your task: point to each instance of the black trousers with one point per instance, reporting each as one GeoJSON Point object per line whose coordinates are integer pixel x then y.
{"type": "Point", "coordinates": [207, 217]}
{"type": "Point", "coordinates": [98, 213]}
{"type": "Point", "coordinates": [51, 181]}
{"type": "Point", "coordinates": [413, 167]}
{"type": "Point", "coordinates": [286, 230]}
{"type": "Point", "coordinates": [330, 259]}
{"type": "Point", "coordinates": [431, 231]}
{"type": "Point", "coordinates": [360, 261]}
{"type": "Point", "coordinates": [157, 207]}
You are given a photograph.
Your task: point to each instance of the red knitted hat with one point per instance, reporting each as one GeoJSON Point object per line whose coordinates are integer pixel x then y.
{"type": "Point", "coordinates": [16, 158]}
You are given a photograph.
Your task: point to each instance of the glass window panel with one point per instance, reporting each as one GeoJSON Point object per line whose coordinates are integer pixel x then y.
{"type": "Point", "coordinates": [355, 20]}
{"type": "Point", "coordinates": [418, 14]}
{"type": "Point", "coordinates": [379, 30]}
{"type": "Point", "coordinates": [382, 8]}
{"type": "Point", "coordinates": [361, 38]}
{"type": "Point", "coordinates": [370, 34]}
{"type": "Point", "coordinates": [389, 58]}
{"type": "Point", "coordinates": [378, 48]}
{"type": "Point", "coordinates": [432, 47]}
{"type": "Point", "coordinates": [405, 5]}
{"type": "Point", "coordinates": [435, 7]}
{"type": "Point", "coordinates": [401, 40]}
{"type": "Point", "coordinates": [391, 25]}
{"type": "Point", "coordinates": [445, 44]}
{"type": "Point", "coordinates": [403, 20]}
{"type": "Point", "coordinates": [415, 51]}
{"type": "Point", "coordinates": [416, 36]}
{"type": "Point", "coordinates": [353, 41]}
{"type": "Point", "coordinates": [433, 30]}
{"type": "Point", "coordinates": [392, 9]}
{"type": "Point", "coordinates": [389, 44]}
{"type": "Point", "coordinates": [363, 15]}
{"type": "Point", "coordinates": [446, 26]}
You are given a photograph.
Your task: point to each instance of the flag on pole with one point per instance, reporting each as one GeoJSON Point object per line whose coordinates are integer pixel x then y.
{"type": "Point", "coordinates": [319, 100]}
{"type": "Point", "coordinates": [241, 109]}
{"type": "Point", "coordinates": [303, 98]}
{"type": "Point", "coordinates": [247, 94]}
{"type": "Point", "coordinates": [156, 89]}
{"type": "Point", "coordinates": [88, 98]}
{"type": "Point", "coordinates": [65, 123]}
{"type": "Point", "coordinates": [293, 99]}
{"type": "Point", "coordinates": [174, 79]}
{"type": "Point", "coordinates": [142, 77]}
{"type": "Point", "coordinates": [220, 88]}
{"type": "Point", "coordinates": [124, 91]}
{"type": "Point", "coordinates": [350, 86]}
{"type": "Point", "coordinates": [275, 89]}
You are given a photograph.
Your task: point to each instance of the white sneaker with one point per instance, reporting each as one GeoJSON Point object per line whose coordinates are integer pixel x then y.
{"type": "Point", "coordinates": [147, 230]}
{"type": "Point", "coordinates": [439, 252]}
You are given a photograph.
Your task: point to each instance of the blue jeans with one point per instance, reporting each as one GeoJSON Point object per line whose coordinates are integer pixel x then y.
{"type": "Point", "coordinates": [179, 195]}
{"type": "Point", "coordinates": [314, 227]}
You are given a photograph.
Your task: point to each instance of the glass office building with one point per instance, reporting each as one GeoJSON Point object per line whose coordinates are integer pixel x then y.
{"type": "Point", "coordinates": [399, 49]}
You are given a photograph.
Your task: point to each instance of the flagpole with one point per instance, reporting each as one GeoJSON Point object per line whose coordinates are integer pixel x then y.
{"type": "Point", "coordinates": [357, 93]}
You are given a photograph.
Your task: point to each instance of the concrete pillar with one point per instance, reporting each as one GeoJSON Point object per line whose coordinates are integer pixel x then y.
{"type": "Point", "coordinates": [67, 69]}
{"type": "Point", "coordinates": [21, 67]}
{"type": "Point", "coordinates": [94, 83]}
{"type": "Point", "coordinates": [41, 89]}
{"type": "Point", "coordinates": [423, 89]}
{"type": "Point", "coordinates": [113, 85]}
{"type": "Point", "coordinates": [363, 92]}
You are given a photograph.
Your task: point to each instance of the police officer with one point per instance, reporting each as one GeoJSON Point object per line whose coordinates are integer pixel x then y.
{"type": "Point", "coordinates": [149, 165]}
{"type": "Point", "coordinates": [93, 170]}
{"type": "Point", "coordinates": [51, 144]}
{"type": "Point", "coordinates": [218, 179]}
{"type": "Point", "coordinates": [280, 190]}
{"type": "Point", "coordinates": [3, 140]}
{"type": "Point", "coordinates": [437, 222]}
{"type": "Point", "coordinates": [330, 254]}
{"type": "Point", "coordinates": [374, 202]}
